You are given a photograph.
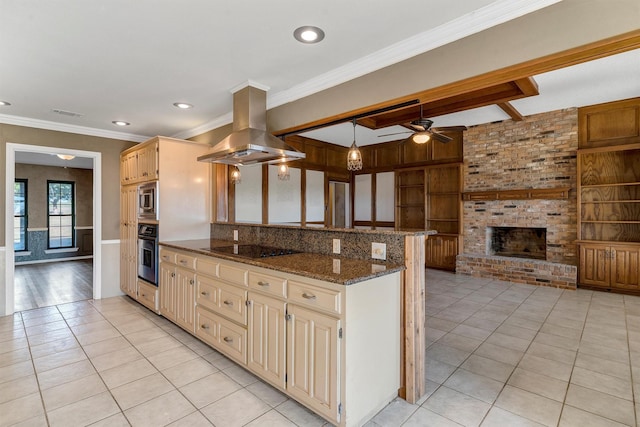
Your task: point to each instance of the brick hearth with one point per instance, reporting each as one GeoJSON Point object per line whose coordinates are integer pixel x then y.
{"type": "Point", "coordinates": [539, 152]}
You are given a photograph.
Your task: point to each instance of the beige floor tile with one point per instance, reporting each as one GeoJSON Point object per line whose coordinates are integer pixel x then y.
{"type": "Point", "coordinates": [37, 421]}
{"type": "Point", "coordinates": [603, 383]}
{"type": "Point", "coordinates": [45, 328]}
{"type": "Point", "coordinates": [241, 375]}
{"type": "Point", "coordinates": [267, 394]}
{"type": "Point", "coordinates": [562, 331]}
{"type": "Point", "coordinates": [437, 371]}
{"type": "Point", "coordinates": [460, 342]}
{"type": "Point", "coordinates": [478, 386]}
{"type": "Point", "coordinates": [115, 358]}
{"type": "Point", "coordinates": [424, 417]}
{"type": "Point", "coordinates": [300, 415]}
{"type": "Point", "coordinates": [42, 350]}
{"type": "Point", "coordinates": [577, 417]}
{"type": "Point", "coordinates": [19, 387]}
{"type": "Point", "coordinates": [471, 332]}
{"type": "Point", "coordinates": [498, 417]}
{"type": "Point", "coordinates": [486, 324]}
{"type": "Point", "coordinates": [172, 357]}
{"type": "Point", "coordinates": [162, 410]}
{"type": "Point", "coordinates": [127, 373]}
{"type": "Point", "coordinates": [500, 354]}
{"type": "Point", "coordinates": [189, 371]}
{"type": "Point", "coordinates": [552, 353]}
{"type": "Point", "coordinates": [441, 324]}
{"type": "Point", "coordinates": [158, 345]}
{"type": "Point", "coordinates": [236, 409]}
{"type": "Point", "coordinates": [550, 368]}
{"type": "Point", "coordinates": [59, 359]}
{"type": "Point", "coordinates": [106, 346]}
{"type": "Point", "coordinates": [14, 356]}
{"type": "Point", "coordinates": [602, 404]}
{"type": "Point", "coordinates": [603, 366]}
{"type": "Point", "coordinates": [20, 409]}
{"type": "Point", "coordinates": [15, 371]}
{"type": "Point", "coordinates": [517, 331]}
{"type": "Point", "coordinates": [94, 337]}
{"type": "Point", "coordinates": [49, 318]}
{"type": "Point", "coordinates": [272, 419]}
{"type": "Point", "coordinates": [458, 407]}
{"type": "Point", "coordinates": [209, 389]}
{"type": "Point", "coordinates": [137, 338]}
{"type": "Point", "coordinates": [446, 354]}
{"type": "Point", "coordinates": [488, 367]}
{"type": "Point", "coordinates": [64, 374]}
{"type": "Point", "coordinates": [507, 341]}
{"type": "Point", "coordinates": [71, 392]}
{"type": "Point", "coordinates": [395, 413]}
{"type": "Point", "coordinates": [84, 412]}
{"type": "Point", "coordinates": [52, 336]}
{"type": "Point", "coordinates": [195, 419]}
{"type": "Point", "coordinates": [603, 352]}
{"type": "Point", "coordinates": [530, 406]}
{"type": "Point", "coordinates": [539, 384]}
{"type": "Point", "coordinates": [142, 390]}
{"type": "Point", "coordinates": [116, 420]}
{"type": "Point", "coordinates": [13, 344]}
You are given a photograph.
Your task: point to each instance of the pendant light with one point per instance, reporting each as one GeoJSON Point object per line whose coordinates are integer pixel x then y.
{"type": "Point", "coordinates": [283, 172]}
{"type": "Point", "coordinates": [354, 157]}
{"type": "Point", "coordinates": [235, 175]}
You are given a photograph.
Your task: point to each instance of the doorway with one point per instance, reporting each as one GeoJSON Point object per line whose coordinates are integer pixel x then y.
{"type": "Point", "coordinates": [339, 213]}
{"type": "Point", "coordinates": [14, 151]}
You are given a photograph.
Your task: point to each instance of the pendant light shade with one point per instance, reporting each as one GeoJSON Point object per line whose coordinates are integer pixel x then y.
{"type": "Point", "coordinates": [235, 175]}
{"type": "Point", "coordinates": [283, 172]}
{"type": "Point", "coordinates": [354, 157]}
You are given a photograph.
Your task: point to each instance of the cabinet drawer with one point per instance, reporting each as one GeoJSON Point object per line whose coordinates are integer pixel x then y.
{"type": "Point", "coordinates": [276, 286]}
{"type": "Point", "coordinates": [167, 255]}
{"type": "Point", "coordinates": [186, 261]}
{"type": "Point", "coordinates": [312, 296]}
{"type": "Point", "coordinates": [148, 295]}
{"type": "Point", "coordinates": [227, 337]}
{"type": "Point", "coordinates": [207, 266]}
{"type": "Point", "coordinates": [207, 293]}
{"type": "Point", "coordinates": [233, 274]}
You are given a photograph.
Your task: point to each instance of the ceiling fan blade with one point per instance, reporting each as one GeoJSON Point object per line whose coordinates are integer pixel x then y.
{"type": "Point", "coordinates": [396, 133]}
{"type": "Point", "coordinates": [440, 137]}
{"type": "Point", "coordinates": [449, 128]}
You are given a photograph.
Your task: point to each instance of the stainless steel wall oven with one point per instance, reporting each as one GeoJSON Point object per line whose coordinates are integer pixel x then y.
{"type": "Point", "coordinates": [148, 253]}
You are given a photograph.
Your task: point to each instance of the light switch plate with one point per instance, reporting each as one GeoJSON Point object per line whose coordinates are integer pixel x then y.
{"type": "Point", "coordinates": [235, 235]}
{"type": "Point", "coordinates": [379, 250]}
{"type": "Point", "coordinates": [336, 246]}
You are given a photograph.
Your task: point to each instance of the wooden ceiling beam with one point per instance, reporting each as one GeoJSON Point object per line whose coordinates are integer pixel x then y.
{"type": "Point", "coordinates": [511, 111]}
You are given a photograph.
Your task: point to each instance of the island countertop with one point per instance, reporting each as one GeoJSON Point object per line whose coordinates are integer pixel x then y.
{"type": "Point", "coordinates": [329, 268]}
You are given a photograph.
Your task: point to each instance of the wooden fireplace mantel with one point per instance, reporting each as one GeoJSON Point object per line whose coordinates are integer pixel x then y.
{"type": "Point", "coordinates": [522, 194]}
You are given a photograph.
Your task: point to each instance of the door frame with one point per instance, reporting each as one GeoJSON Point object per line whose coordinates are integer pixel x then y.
{"type": "Point", "coordinates": [96, 157]}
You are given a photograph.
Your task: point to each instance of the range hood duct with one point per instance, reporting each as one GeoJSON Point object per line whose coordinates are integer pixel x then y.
{"type": "Point", "coordinates": [250, 143]}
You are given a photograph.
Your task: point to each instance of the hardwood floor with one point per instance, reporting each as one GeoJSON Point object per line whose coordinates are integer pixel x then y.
{"type": "Point", "coordinates": [43, 285]}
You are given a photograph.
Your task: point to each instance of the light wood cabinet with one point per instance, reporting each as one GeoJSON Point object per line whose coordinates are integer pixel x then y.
{"type": "Point", "coordinates": [313, 343]}
{"type": "Point", "coordinates": [148, 162]}
{"type": "Point", "coordinates": [177, 289]}
{"type": "Point", "coordinates": [129, 168]}
{"type": "Point", "coordinates": [292, 331]}
{"type": "Point", "coordinates": [128, 240]}
{"type": "Point", "coordinates": [148, 295]}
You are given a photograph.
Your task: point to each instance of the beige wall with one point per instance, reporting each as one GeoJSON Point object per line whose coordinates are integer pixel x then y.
{"type": "Point", "coordinates": [110, 149]}
{"type": "Point", "coordinates": [37, 177]}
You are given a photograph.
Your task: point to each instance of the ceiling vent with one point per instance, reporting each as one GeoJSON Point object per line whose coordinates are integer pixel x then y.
{"type": "Point", "coordinates": [66, 113]}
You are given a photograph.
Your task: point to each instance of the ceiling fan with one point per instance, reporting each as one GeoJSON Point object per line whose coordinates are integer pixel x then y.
{"type": "Point", "coordinates": [423, 132]}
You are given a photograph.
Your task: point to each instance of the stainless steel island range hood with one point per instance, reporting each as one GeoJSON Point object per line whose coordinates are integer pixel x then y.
{"type": "Point", "coordinates": [250, 143]}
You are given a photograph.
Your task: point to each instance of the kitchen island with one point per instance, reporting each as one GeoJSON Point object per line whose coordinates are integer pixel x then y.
{"type": "Point", "coordinates": [323, 329]}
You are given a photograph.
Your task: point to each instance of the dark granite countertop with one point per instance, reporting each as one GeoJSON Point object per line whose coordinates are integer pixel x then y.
{"type": "Point", "coordinates": [345, 271]}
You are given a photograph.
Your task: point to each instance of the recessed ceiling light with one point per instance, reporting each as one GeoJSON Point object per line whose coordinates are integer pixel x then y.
{"type": "Point", "coordinates": [120, 123]}
{"type": "Point", "coordinates": [5, 103]}
{"type": "Point", "coordinates": [182, 105]}
{"type": "Point", "coordinates": [308, 34]}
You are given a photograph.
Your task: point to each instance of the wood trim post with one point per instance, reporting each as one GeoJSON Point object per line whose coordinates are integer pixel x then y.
{"type": "Point", "coordinates": [413, 320]}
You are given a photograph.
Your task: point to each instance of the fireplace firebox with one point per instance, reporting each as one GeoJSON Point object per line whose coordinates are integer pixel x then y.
{"type": "Point", "coordinates": [518, 242]}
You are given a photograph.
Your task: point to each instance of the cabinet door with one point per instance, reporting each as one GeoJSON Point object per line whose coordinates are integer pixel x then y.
{"type": "Point", "coordinates": [594, 265]}
{"type": "Point", "coordinates": [168, 291]}
{"type": "Point", "coordinates": [130, 165]}
{"type": "Point", "coordinates": [625, 267]}
{"type": "Point", "coordinates": [267, 338]}
{"type": "Point", "coordinates": [313, 355]}
{"type": "Point", "coordinates": [148, 162]}
{"type": "Point", "coordinates": [128, 241]}
{"type": "Point", "coordinates": [185, 299]}
{"type": "Point", "coordinates": [441, 252]}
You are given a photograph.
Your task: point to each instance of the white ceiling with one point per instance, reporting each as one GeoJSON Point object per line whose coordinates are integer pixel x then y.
{"type": "Point", "coordinates": [131, 60]}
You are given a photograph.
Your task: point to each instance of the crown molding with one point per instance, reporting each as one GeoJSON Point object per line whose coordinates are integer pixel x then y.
{"type": "Point", "coordinates": [63, 127]}
{"type": "Point", "coordinates": [205, 127]}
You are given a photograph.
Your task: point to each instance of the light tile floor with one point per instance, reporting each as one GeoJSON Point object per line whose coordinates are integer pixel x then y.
{"type": "Point", "coordinates": [498, 354]}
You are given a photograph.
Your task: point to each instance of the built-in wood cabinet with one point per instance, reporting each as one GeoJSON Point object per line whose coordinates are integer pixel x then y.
{"type": "Point", "coordinates": [295, 332]}
{"type": "Point", "coordinates": [609, 196]}
{"type": "Point", "coordinates": [429, 198]}
{"type": "Point", "coordinates": [177, 288]}
{"type": "Point", "coordinates": [129, 240]}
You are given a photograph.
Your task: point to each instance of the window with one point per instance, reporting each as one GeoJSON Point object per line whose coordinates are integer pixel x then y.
{"type": "Point", "coordinates": [61, 218]}
{"type": "Point", "coordinates": [20, 215]}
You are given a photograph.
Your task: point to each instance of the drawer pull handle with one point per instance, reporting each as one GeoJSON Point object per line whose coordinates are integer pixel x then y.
{"type": "Point", "coordinates": [227, 302]}
{"type": "Point", "coordinates": [204, 326]}
{"type": "Point", "coordinates": [228, 339]}
{"type": "Point", "coordinates": [204, 293]}
{"type": "Point", "coordinates": [261, 283]}
{"type": "Point", "coordinates": [191, 282]}
{"type": "Point", "coordinates": [308, 296]}
{"type": "Point", "coordinates": [183, 262]}
{"type": "Point", "coordinates": [173, 274]}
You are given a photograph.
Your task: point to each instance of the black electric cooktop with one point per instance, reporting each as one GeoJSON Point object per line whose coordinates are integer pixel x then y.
{"type": "Point", "coordinates": [252, 251]}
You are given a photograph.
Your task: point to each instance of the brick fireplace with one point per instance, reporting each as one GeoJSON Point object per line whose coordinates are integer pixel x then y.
{"type": "Point", "coordinates": [537, 153]}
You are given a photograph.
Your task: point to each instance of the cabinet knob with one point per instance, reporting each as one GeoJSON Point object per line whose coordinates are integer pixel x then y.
{"type": "Point", "coordinates": [173, 274]}
{"type": "Point", "coordinates": [191, 282]}
{"type": "Point", "coordinates": [204, 293]}
{"type": "Point", "coordinates": [261, 283]}
{"type": "Point", "coordinates": [308, 296]}
{"type": "Point", "coordinates": [228, 339]}
{"type": "Point", "coordinates": [204, 326]}
{"type": "Point", "coordinates": [229, 303]}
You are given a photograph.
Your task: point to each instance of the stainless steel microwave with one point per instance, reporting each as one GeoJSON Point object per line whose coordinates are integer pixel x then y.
{"type": "Point", "coordinates": [148, 200]}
